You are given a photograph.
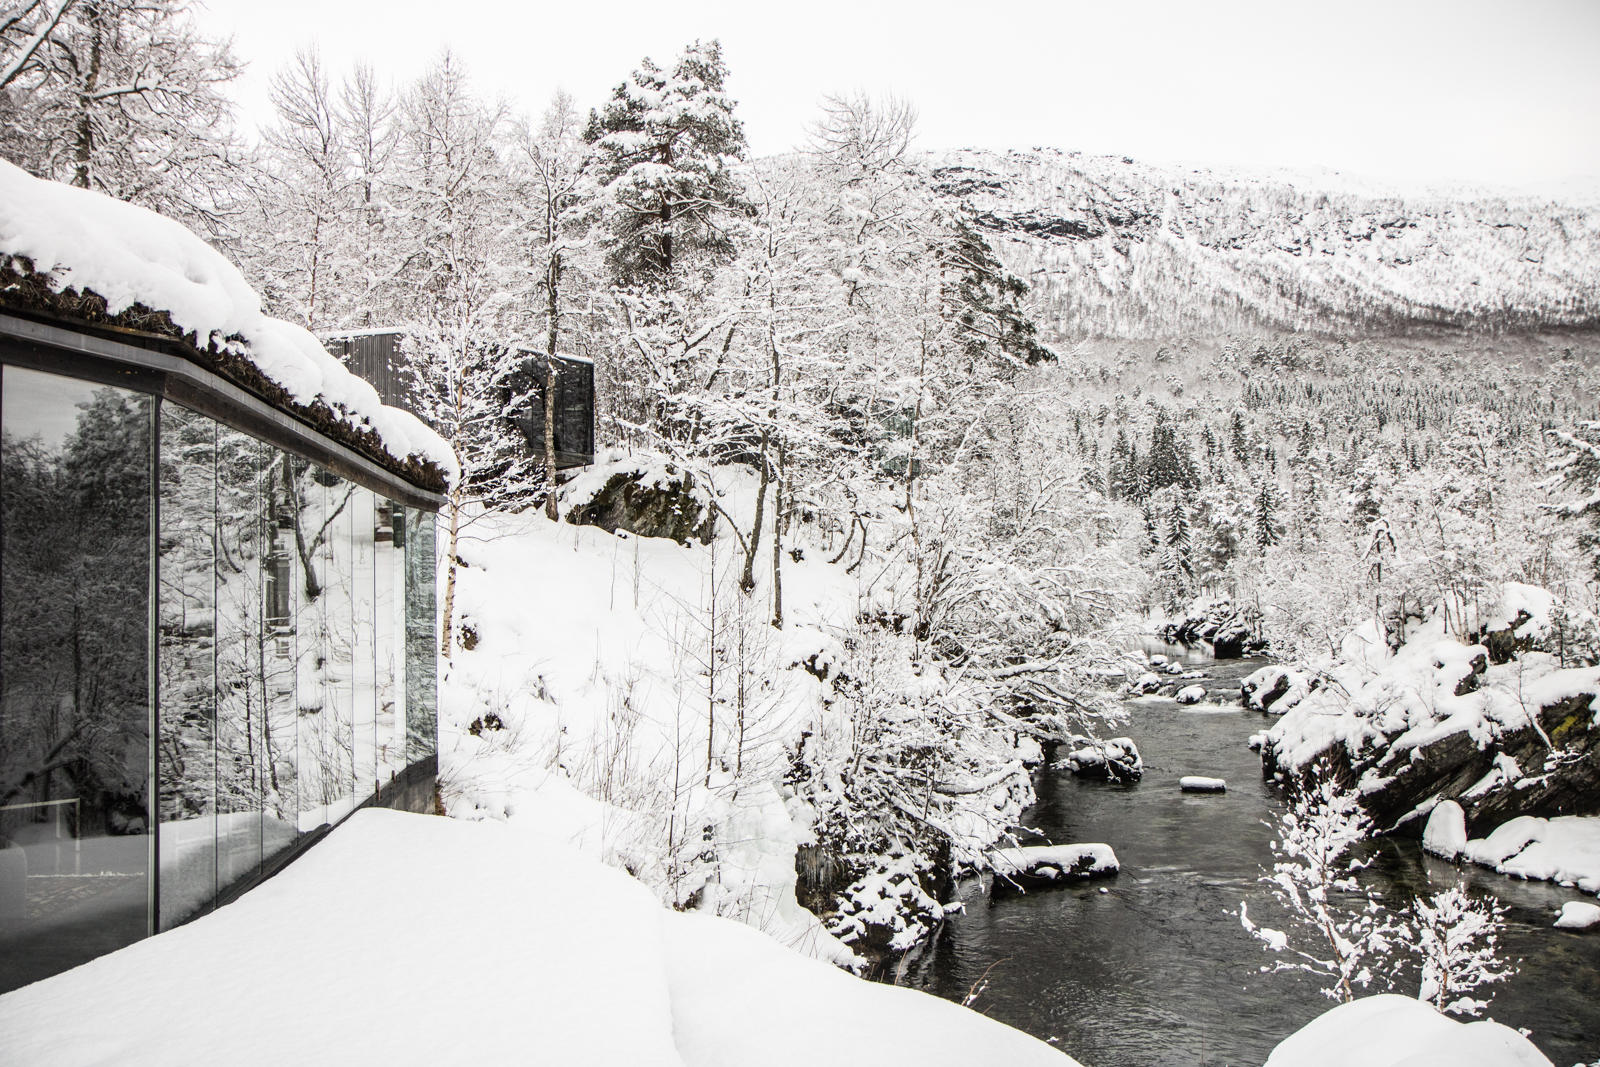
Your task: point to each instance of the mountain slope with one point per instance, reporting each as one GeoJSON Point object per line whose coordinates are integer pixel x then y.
{"type": "Point", "coordinates": [1116, 248]}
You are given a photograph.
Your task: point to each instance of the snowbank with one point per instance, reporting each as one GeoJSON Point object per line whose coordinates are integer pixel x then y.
{"type": "Point", "coordinates": [1446, 832]}
{"type": "Point", "coordinates": [1565, 850]}
{"type": "Point", "coordinates": [1394, 1031]}
{"type": "Point", "coordinates": [518, 949]}
{"type": "Point", "coordinates": [130, 255]}
{"type": "Point", "coordinates": [1578, 915]}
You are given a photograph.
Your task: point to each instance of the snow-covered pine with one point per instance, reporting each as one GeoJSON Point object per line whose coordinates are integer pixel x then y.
{"type": "Point", "coordinates": [663, 148]}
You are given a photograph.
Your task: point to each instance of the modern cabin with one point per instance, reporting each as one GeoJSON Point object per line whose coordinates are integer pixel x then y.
{"type": "Point", "coordinates": [378, 356]}
{"type": "Point", "coordinates": [219, 629]}
{"type": "Point", "coordinates": [574, 407]}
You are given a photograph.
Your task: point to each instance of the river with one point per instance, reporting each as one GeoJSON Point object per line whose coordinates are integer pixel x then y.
{"type": "Point", "coordinates": [1151, 968]}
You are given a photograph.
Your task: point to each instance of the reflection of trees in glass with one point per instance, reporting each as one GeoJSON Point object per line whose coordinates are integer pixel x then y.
{"type": "Point", "coordinates": [76, 589]}
{"type": "Point", "coordinates": [421, 635]}
{"type": "Point", "coordinates": [186, 757]}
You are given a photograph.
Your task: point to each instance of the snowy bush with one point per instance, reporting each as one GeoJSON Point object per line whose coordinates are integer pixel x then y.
{"type": "Point", "coordinates": [1346, 933]}
{"type": "Point", "coordinates": [1456, 940]}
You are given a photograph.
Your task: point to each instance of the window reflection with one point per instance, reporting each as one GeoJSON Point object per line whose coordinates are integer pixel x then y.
{"type": "Point", "coordinates": [389, 598]}
{"type": "Point", "coordinates": [363, 624]}
{"type": "Point", "coordinates": [421, 637]}
{"type": "Point", "coordinates": [187, 652]}
{"type": "Point", "coordinates": [295, 666]}
{"type": "Point", "coordinates": [246, 584]}
{"type": "Point", "coordinates": [75, 493]}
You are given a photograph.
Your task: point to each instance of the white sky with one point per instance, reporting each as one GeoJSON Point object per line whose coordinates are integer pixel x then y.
{"type": "Point", "coordinates": [1487, 91]}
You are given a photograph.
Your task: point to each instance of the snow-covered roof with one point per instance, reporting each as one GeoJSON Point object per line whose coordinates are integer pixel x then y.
{"type": "Point", "coordinates": [133, 258]}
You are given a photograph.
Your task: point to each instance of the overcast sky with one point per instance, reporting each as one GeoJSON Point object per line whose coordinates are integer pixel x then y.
{"type": "Point", "coordinates": [1502, 92]}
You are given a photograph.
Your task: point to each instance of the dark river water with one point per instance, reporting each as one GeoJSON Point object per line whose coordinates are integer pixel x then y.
{"type": "Point", "coordinates": [1155, 969]}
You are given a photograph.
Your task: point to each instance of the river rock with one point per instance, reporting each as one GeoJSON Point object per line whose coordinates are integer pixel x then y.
{"type": "Point", "coordinates": [1446, 833]}
{"type": "Point", "coordinates": [1194, 783]}
{"type": "Point", "coordinates": [1116, 760]}
{"type": "Point", "coordinates": [1191, 694]}
{"type": "Point", "coordinates": [1047, 865]}
{"type": "Point", "coordinates": [1146, 683]}
{"type": "Point", "coordinates": [1276, 689]}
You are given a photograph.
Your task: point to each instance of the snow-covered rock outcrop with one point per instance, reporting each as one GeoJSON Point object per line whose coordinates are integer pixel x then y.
{"type": "Point", "coordinates": [1232, 630]}
{"type": "Point", "coordinates": [1437, 719]}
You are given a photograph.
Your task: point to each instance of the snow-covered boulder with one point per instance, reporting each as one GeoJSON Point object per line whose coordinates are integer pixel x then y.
{"type": "Point", "coordinates": [1195, 783]}
{"type": "Point", "coordinates": [1146, 683]}
{"type": "Point", "coordinates": [1191, 694]}
{"type": "Point", "coordinates": [1446, 833]}
{"type": "Point", "coordinates": [647, 497]}
{"type": "Point", "coordinates": [1046, 865]}
{"type": "Point", "coordinates": [1565, 850]}
{"type": "Point", "coordinates": [1389, 1030]}
{"type": "Point", "coordinates": [1115, 760]}
{"type": "Point", "coordinates": [1276, 689]}
{"type": "Point", "coordinates": [1578, 915]}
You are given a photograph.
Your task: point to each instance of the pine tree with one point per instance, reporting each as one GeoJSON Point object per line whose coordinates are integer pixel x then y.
{"type": "Point", "coordinates": [1267, 533]}
{"type": "Point", "coordinates": [1168, 462]}
{"type": "Point", "coordinates": [1237, 439]}
{"type": "Point", "coordinates": [991, 322]}
{"type": "Point", "coordinates": [662, 149]}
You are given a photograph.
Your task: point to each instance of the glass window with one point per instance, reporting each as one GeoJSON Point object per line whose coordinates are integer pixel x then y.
{"type": "Point", "coordinates": [334, 546]}
{"type": "Point", "coordinates": [75, 760]}
{"type": "Point", "coordinates": [186, 751]}
{"type": "Point", "coordinates": [422, 643]}
{"type": "Point", "coordinates": [245, 649]}
{"type": "Point", "coordinates": [389, 597]}
{"type": "Point", "coordinates": [281, 785]}
{"type": "Point", "coordinates": [363, 624]}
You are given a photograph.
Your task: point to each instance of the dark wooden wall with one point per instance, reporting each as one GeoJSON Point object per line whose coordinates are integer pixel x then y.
{"type": "Point", "coordinates": [376, 357]}
{"type": "Point", "coordinates": [574, 409]}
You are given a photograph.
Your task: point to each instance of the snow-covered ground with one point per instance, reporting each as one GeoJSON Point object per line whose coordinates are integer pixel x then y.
{"type": "Point", "coordinates": [1394, 1031]}
{"type": "Point", "coordinates": [412, 939]}
{"type": "Point", "coordinates": [594, 651]}
{"type": "Point", "coordinates": [646, 705]}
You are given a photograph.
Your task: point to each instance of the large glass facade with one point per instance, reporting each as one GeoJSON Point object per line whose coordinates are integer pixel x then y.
{"type": "Point", "coordinates": [289, 674]}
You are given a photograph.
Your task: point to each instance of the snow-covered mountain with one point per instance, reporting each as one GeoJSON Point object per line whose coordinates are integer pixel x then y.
{"type": "Point", "coordinates": [1117, 248]}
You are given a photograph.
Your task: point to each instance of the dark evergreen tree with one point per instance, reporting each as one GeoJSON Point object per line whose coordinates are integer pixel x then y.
{"type": "Point", "coordinates": [990, 318]}
{"type": "Point", "coordinates": [1168, 462]}
{"type": "Point", "coordinates": [662, 149]}
{"type": "Point", "coordinates": [1267, 532]}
